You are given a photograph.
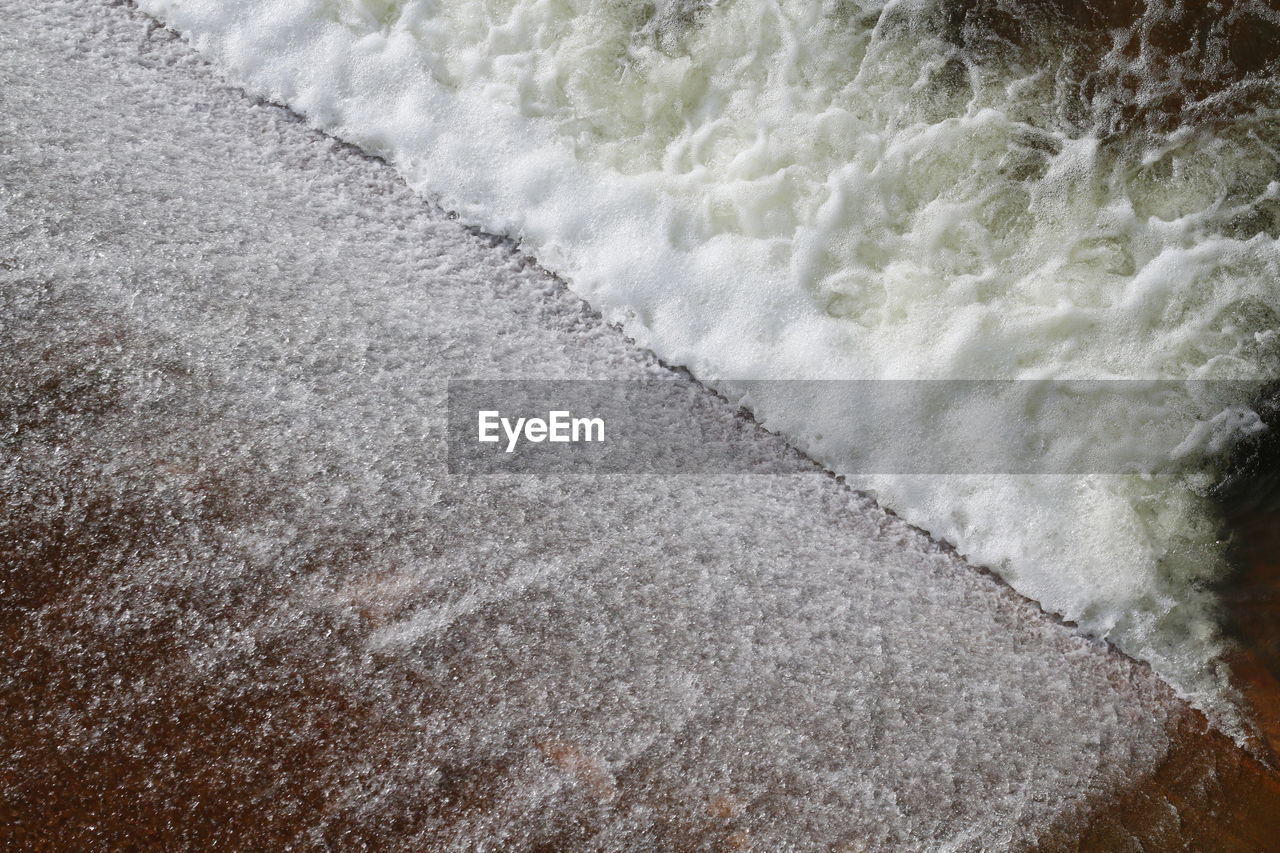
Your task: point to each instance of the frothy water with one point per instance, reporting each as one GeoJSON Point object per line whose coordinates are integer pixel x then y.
{"type": "Point", "coordinates": [776, 189]}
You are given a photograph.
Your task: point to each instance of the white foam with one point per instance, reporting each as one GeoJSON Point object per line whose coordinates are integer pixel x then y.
{"type": "Point", "coordinates": [797, 190]}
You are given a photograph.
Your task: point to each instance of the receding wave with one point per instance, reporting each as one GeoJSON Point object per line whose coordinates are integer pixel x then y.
{"type": "Point", "coordinates": [934, 189]}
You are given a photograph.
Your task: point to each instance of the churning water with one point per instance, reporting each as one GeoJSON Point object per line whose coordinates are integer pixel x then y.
{"type": "Point", "coordinates": [924, 189]}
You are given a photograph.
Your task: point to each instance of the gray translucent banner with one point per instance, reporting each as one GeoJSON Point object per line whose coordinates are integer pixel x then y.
{"type": "Point", "coordinates": [679, 426]}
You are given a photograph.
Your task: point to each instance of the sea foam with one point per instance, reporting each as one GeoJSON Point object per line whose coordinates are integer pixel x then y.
{"type": "Point", "coordinates": [906, 190]}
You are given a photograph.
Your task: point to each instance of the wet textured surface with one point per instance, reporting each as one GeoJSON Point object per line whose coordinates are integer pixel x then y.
{"type": "Point", "coordinates": [245, 607]}
{"type": "Point", "coordinates": [782, 189]}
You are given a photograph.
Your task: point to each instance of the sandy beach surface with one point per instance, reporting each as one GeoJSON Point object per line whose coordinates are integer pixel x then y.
{"type": "Point", "coordinates": [246, 607]}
